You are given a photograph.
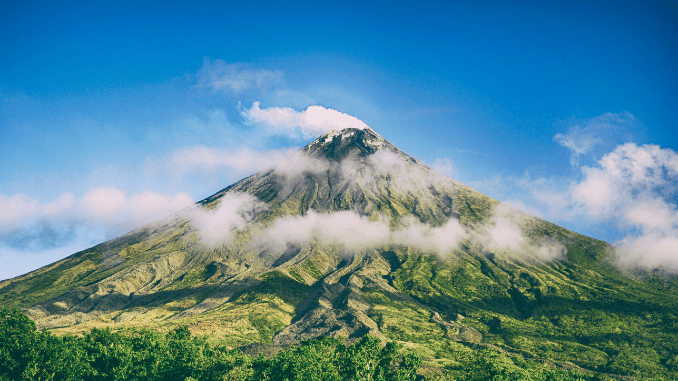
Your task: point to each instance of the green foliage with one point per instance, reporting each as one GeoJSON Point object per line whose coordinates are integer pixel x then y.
{"type": "Point", "coordinates": [28, 354]}
{"type": "Point", "coordinates": [18, 341]}
{"type": "Point", "coordinates": [295, 274]}
{"type": "Point", "coordinates": [327, 359]}
{"type": "Point", "coordinates": [491, 365]}
{"type": "Point", "coordinates": [92, 265]}
{"type": "Point", "coordinates": [311, 269]}
{"type": "Point", "coordinates": [195, 276]}
{"type": "Point", "coordinates": [564, 312]}
{"type": "Point", "coordinates": [279, 284]}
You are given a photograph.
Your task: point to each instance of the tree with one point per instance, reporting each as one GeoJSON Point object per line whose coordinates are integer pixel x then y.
{"type": "Point", "coordinates": [18, 337]}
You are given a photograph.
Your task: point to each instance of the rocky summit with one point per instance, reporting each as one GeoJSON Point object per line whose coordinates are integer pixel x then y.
{"type": "Point", "coordinates": [351, 236]}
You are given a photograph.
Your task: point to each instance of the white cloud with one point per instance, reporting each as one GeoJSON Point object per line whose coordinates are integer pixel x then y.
{"type": "Point", "coordinates": [502, 234]}
{"type": "Point", "coordinates": [578, 142]}
{"type": "Point", "coordinates": [104, 203]}
{"type": "Point", "coordinates": [440, 240]}
{"type": "Point", "coordinates": [234, 78]}
{"type": "Point", "coordinates": [582, 138]}
{"type": "Point", "coordinates": [119, 212]}
{"type": "Point", "coordinates": [314, 121]}
{"type": "Point", "coordinates": [633, 189]}
{"type": "Point", "coordinates": [645, 180]}
{"type": "Point", "coordinates": [217, 226]}
{"type": "Point", "coordinates": [624, 177]}
{"type": "Point", "coordinates": [19, 210]}
{"type": "Point", "coordinates": [298, 163]}
{"type": "Point", "coordinates": [356, 233]}
{"type": "Point", "coordinates": [445, 166]}
{"type": "Point", "coordinates": [33, 234]}
{"type": "Point", "coordinates": [652, 215]}
{"type": "Point", "coordinates": [651, 250]}
{"type": "Point", "coordinates": [106, 208]}
{"type": "Point", "coordinates": [241, 160]}
{"type": "Point", "coordinates": [347, 229]}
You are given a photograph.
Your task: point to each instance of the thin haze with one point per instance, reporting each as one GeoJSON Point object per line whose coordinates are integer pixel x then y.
{"type": "Point", "coordinates": [114, 115]}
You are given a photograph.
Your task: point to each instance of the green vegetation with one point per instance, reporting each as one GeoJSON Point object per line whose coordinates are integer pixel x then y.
{"type": "Point", "coordinates": [28, 354]}
{"type": "Point", "coordinates": [475, 313]}
{"type": "Point", "coordinates": [493, 365]}
{"type": "Point", "coordinates": [84, 269]}
{"type": "Point", "coordinates": [277, 283]}
{"type": "Point", "coordinates": [564, 313]}
{"type": "Point", "coordinates": [311, 269]}
{"type": "Point", "coordinates": [295, 274]}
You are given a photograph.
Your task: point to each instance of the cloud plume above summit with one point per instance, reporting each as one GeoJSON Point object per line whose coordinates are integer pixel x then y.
{"type": "Point", "coordinates": [314, 121]}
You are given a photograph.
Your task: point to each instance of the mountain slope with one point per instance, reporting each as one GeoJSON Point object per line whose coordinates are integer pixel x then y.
{"type": "Point", "coordinates": [352, 236]}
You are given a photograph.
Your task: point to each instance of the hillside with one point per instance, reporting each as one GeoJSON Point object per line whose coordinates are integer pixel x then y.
{"type": "Point", "coordinates": [352, 236]}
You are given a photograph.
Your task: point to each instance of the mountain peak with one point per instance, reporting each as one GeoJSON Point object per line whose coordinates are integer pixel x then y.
{"type": "Point", "coordinates": [338, 144]}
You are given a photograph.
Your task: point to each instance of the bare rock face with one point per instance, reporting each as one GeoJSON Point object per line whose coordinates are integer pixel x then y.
{"type": "Point", "coordinates": [337, 308]}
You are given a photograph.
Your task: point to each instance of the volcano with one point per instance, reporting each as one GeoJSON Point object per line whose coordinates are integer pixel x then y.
{"type": "Point", "coordinates": [351, 236]}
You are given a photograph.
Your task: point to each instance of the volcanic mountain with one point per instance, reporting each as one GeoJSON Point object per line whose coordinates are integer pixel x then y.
{"type": "Point", "coordinates": [351, 236]}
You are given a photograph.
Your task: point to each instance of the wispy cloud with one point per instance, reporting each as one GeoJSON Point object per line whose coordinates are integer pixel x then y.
{"type": "Point", "coordinates": [445, 166]}
{"type": "Point", "coordinates": [312, 122]}
{"type": "Point", "coordinates": [236, 78]}
{"type": "Point", "coordinates": [582, 138]}
{"type": "Point", "coordinates": [356, 233]}
{"type": "Point", "coordinates": [118, 211]}
{"type": "Point", "coordinates": [218, 225]}
{"type": "Point", "coordinates": [346, 229]}
{"type": "Point", "coordinates": [502, 233]}
{"type": "Point", "coordinates": [578, 142]}
{"type": "Point", "coordinates": [28, 224]}
{"type": "Point", "coordinates": [20, 210]}
{"type": "Point", "coordinates": [241, 160]}
{"type": "Point", "coordinates": [440, 240]}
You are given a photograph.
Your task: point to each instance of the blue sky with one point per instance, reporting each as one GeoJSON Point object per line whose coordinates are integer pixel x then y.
{"type": "Point", "coordinates": [114, 113]}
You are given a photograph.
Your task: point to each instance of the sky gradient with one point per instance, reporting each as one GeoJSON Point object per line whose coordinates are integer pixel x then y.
{"type": "Point", "coordinates": [115, 114]}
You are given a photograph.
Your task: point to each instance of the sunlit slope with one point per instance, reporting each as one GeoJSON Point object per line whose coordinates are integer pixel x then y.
{"type": "Point", "coordinates": [507, 280]}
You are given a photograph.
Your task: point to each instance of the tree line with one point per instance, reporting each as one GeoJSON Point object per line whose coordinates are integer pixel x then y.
{"type": "Point", "coordinates": [101, 354]}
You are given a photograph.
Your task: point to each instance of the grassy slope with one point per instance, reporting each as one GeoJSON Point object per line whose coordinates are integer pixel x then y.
{"type": "Point", "coordinates": [582, 313]}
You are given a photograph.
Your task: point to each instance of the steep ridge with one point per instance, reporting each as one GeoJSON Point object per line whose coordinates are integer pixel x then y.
{"type": "Point", "coordinates": [352, 236]}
